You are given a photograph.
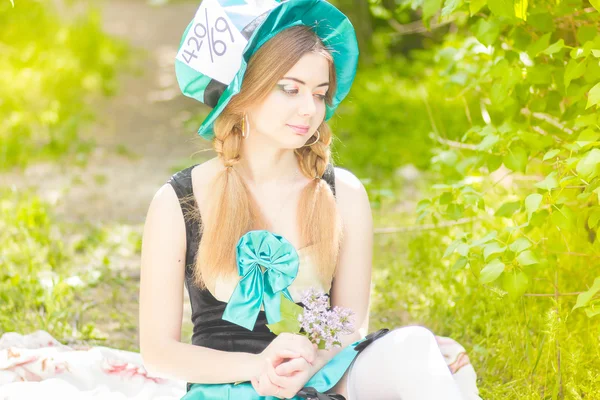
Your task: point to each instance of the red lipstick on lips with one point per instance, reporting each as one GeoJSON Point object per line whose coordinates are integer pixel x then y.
{"type": "Point", "coordinates": [299, 129]}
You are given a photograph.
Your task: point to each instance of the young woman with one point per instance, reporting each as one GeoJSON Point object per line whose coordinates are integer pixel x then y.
{"type": "Point", "coordinates": [271, 215]}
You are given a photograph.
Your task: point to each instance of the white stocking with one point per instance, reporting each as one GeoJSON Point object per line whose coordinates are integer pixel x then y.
{"type": "Point", "coordinates": [405, 364]}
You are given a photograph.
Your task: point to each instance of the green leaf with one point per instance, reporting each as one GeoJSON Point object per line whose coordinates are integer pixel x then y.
{"type": "Point", "coordinates": [491, 271]}
{"type": "Point", "coordinates": [519, 245]}
{"type": "Point", "coordinates": [586, 33]}
{"type": "Point", "coordinates": [488, 142]}
{"type": "Point", "coordinates": [491, 249]}
{"type": "Point", "coordinates": [430, 7]}
{"type": "Point", "coordinates": [588, 136]}
{"type": "Point", "coordinates": [515, 283]}
{"type": "Point", "coordinates": [521, 9]}
{"type": "Point", "coordinates": [594, 218]}
{"type": "Point", "coordinates": [463, 249]}
{"type": "Point", "coordinates": [532, 203]}
{"type": "Point", "coordinates": [493, 162]}
{"type": "Point", "coordinates": [289, 317]}
{"type": "Point", "coordinates": [585, 120]}
{"type": "Point", "coordinates": [591, 312]}
{"type": "Point", "coordinates": [476, 5]}
{"type": "Point", "coordinates": [527, 258]}
{"type": "Point", "coordinates": [593, 96]}
{"type": "Point", "coordinates": [289, 308]}
{"type": "Point", "coordinates": [563, 218]}
{"type": "Point", "coordinates": [452, 247]}
{"type": "Point", "coordinates": [551, 154]}
{"type": "Point", "coordinates": [516, 159]}
{"type": "Point", "coordinates": [589, 164]}
{"type": "Point", "coordinates": [450, 6]}
{"type": "Point", "coordinates": [540, 45]}
{"type": "Point", "coordinates": [460, 263]}
{"type": "Point", "coordinates": [506, 210]}
{"type": "Point", "coordinates": [573, 71]}
{"type": "Point", "coordinates": [284, 325]}
{"type": "Point", "coordinates": [548, 183]}
{"type": "Point", "coordinates": [485, 239]}
{"type": "Point", "coordinates": [446, 198]}
{"type": "Point", "coordinates": [423, 205]}
{"type": "Point", "coordinates": [455, 211]}
{"type": "Point", "coordinates": [487, 31]}
{"type": "Point", "coordinates": [586, 296]}
{"type": "Point", "coordinates": [378, 11]}
{"type": "Point", "coordinates": [595, 4]}
{"type": "Point", "coordinates": [555, 47]}
{"type": "Point", "coordinates": [502, 8]}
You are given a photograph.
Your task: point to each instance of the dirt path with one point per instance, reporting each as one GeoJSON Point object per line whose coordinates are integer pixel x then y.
{"type": "Point", "coordinates": [140, 140]}
{"type": "Point", "coordinates": [139, 133]}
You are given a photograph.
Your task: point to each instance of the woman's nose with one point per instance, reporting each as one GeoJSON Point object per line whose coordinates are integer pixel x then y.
{"type": "Point", "coordinates": [308, 105]}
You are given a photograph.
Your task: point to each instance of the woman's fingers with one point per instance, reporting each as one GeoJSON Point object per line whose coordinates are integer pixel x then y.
{"type": "Point", "coordinates": [303, 345]}
{"type": "Point", "coordinates": [291, 366]}
{"type": "Point", "coordinates": [273, 377]}
{"type": "Point", "coordinates": [283, 356]}
{"type": "Point", "coordinates": [264, 387]}
{"type": "Point", "coordinates": [308, 348]}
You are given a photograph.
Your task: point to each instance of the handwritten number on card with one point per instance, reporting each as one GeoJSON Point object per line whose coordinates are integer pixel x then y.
{"type": "Point", "coordinates": [215, 46]}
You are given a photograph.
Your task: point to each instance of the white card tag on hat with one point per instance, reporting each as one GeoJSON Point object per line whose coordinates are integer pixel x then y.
{"type": "Point", "coordinates": [213, 45]}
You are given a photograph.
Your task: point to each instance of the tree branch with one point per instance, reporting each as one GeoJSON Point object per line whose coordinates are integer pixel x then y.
{"type": "Point", "coordinates": [424, 227]}
{"type": "Point", "coordinates": [414, 27]}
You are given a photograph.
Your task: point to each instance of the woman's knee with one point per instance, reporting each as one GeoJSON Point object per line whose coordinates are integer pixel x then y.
{"type": "Point", "coordinates": [413, 346]}
{"type": "Point", "coordinates": [413, 336]}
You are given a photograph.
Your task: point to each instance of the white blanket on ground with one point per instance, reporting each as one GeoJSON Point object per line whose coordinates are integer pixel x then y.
{"type": "Point", "coordinates": [37, 366]}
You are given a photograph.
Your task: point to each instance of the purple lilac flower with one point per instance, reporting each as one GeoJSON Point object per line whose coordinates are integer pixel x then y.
{"type": "Point", "coordinates": [324, 325]}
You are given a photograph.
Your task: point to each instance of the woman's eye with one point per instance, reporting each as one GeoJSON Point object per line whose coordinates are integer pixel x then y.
{"type": "Point", "coordinates": [293, 92]}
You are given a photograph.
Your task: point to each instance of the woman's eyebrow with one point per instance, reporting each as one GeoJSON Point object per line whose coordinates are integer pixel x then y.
{"type": "Point", "coordinates": [302, 82]}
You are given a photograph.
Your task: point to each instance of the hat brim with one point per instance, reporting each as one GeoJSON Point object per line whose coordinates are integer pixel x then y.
{"type": "Point", "coordinates": [333, 28]}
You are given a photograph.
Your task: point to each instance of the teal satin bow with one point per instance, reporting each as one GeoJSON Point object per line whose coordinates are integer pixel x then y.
{"type": "Point", "coordinates": [257, 250]}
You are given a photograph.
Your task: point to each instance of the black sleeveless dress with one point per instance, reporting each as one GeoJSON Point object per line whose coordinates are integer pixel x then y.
{"type": "Point", "coordinates": [210, 330]}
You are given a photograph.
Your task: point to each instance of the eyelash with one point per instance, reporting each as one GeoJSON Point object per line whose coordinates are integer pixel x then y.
{"type": "Point", "coordinates": [293, 92]}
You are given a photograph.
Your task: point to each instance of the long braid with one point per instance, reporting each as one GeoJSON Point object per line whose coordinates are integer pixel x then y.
{"type": "Point", "coordinates": [230, 211]}
{"type": "Point", "coordinates": [317, 205]}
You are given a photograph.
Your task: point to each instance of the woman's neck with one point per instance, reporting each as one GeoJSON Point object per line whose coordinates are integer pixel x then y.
{"type": "Point", "coordinates": [267, 165]}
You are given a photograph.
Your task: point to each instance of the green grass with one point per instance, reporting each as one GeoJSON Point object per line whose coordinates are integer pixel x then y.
{"type": "Point", "coordinates": [48, 81]}
{"type": "Point", "coordinates": [514, 344]}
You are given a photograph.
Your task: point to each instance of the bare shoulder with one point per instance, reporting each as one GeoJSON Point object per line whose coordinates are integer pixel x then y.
{"type": "Point", "coordinates": [352, 197]}
{"type": "Point", "coordinates": [203, 174]}
{"type": "Point", "coordinates": [347, 185]}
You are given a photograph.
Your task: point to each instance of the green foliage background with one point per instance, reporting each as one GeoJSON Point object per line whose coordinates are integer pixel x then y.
{"type": "Point", "coordinates": [493, 240]}
{"type": "Point", "coordinates": [500, 112]}
{"type": "Point", "coordinates": [50, 70]}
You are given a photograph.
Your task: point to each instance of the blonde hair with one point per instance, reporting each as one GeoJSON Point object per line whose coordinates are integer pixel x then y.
{"type": "Point", "coordinates": [233, 211]}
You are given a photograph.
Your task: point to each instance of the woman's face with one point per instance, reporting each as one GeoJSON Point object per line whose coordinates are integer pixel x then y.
{"type": "Point", "coordinates": [295, 108]}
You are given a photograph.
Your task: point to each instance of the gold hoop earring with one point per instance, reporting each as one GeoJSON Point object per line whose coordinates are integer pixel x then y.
{"type": "Point", "coordinates": [318, 137]}
{"type": "Point", "coordinates": [245, 132]}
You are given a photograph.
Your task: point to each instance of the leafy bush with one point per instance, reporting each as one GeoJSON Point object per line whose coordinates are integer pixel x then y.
{"type": "Point", "coordinates": [515, 182]}
{"type": "Point", "coordinates": [50, 67]}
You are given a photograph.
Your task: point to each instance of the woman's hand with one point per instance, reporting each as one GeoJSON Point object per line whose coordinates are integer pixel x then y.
{"type": "Point", "coordinates": [282, 379]}
{"type": "Point", "coordinates": [289, 345]}
{"type": "Point", "coordinates": [293, 355]}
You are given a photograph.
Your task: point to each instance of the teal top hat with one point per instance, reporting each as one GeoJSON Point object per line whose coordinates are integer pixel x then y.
{"type": "Point", "coordinates": [217, 44]}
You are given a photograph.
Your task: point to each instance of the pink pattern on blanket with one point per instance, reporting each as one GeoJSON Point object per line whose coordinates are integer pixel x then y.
{"type": "Point", "coordinates": [125, 369]}
{"type": "Point", "coordinates": [455, 355]}
{"type": "Point", "coordinates": [28, 368]}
